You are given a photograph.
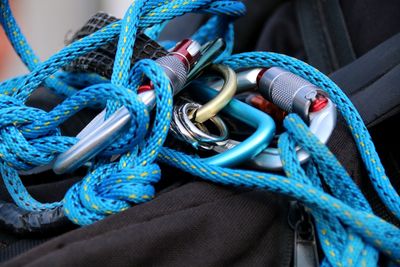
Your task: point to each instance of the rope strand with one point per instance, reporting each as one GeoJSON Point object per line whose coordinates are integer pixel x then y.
{"type": "Point", "coordinates": [349, 232]}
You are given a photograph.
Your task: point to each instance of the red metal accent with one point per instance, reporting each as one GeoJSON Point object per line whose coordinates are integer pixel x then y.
{"type": "Point", "coordinates": [181, 50]}
{"type": "Point", "coordinates": [260, 74]}
{"type": "Point", "coordinates": [145, 87]}
{"type": "Point", "coordinates": [266, 106]}
{"type": "Point", "coordinates": [319, 103]}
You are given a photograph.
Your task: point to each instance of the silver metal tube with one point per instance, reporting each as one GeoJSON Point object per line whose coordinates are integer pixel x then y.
{"type": "Point", "coordinates": [101, 136]}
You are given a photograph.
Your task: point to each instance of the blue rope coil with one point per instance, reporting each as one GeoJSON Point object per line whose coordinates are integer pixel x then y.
{"type": "Point", "coordinates": [349, 232]}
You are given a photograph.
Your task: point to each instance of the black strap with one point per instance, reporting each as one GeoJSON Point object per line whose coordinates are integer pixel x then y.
{"type": "Point", "coordinates": [101, 60]}
{"type": "Point", "coordinates": [323, 29]}
{"type": "Point", "coordinates": [373, 81]}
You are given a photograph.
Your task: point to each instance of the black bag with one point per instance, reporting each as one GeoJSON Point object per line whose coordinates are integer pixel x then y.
{"type": "Point", "coordinates": [196, 223]}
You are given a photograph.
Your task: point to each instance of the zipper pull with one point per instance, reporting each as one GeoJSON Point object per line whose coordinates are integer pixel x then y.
{"type": "Point", "coordinates": [305, 244]}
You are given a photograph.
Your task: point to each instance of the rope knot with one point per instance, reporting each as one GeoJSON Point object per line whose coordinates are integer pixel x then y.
{"type": "Point", "coordinates": [17, 149]}
{"type": "Point", "coordinates": [106, 191]}
{"type": "Point", "coordinates": [112, 187]}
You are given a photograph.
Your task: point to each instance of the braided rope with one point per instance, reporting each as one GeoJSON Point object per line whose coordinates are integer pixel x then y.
{"type": "Point", "coordinates": [350, 234]}
{"type": "Point", "coordinates": [355, 123]}
{"type": "Point", "coordinates": [35, 139]}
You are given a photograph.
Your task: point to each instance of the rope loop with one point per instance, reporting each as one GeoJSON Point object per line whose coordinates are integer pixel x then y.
{"type": "Point", "coordinates": [112, 188]}
{"type": "Point", "coordinates": [16, 150]}
{"type": "Point", "coordinates": [107, 191]}
{"type": "Point", "coordinates": [336, 238]}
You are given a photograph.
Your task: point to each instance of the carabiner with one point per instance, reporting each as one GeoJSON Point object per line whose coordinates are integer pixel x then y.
{"type": "Point", "coordinates": [211, 108]}
{"type": "Point", "coordinates": [184, 124]}
{"type": "Point", "coordinates": [254, 144]}
{"type": "Point", "coordinates": [196, 134]}
{"type": "Point", "coordinates": [100, 133]}
{"type": "Point", "coordinates": [293, 94]}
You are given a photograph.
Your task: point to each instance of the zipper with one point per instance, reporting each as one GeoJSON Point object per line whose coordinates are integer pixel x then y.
{"type": "Point", "coordinates": [305, 245]}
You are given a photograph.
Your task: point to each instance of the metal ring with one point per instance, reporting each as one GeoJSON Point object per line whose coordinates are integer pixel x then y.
{"type": "Point", "coordinates": [188, 131]}
{"type": "Point", "coordinates": [262, 123]}
{"type": "Point", "coordinates": [211, 108]}
{"type": "Point", "coordinates": [199, 134]}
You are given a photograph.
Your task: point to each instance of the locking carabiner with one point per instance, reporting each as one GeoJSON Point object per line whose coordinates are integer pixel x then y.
{"type": "Point", "coordinates": [99, 133]}
{"type": "Point", "coordinates": [292, 94]}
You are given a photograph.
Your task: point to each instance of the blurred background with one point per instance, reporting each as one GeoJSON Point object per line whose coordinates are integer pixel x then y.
{"type": "Point", "coordinates": [47, 24]}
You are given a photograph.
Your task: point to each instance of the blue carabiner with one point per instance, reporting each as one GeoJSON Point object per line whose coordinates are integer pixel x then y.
{"type": "Point", "coordinates": [254, 144]}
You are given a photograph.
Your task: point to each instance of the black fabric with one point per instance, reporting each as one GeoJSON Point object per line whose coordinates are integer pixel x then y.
{"type": "Point", "coordinates": [370, 22]}
{"type": "Point", "coordinates": [247, 28]}
{"type": "Point", "coordinates": [281, 33]}
{"type": "Point", "coordinates": [386, 137]}
{"type": "Point", "coordinates": [198, 224]}
{"type": "Point", "coordinates": [324, 33]}
{"type": "Point", "coordinates": [373, 81]}
{"type": "Point", "coordinates": [11, 247]}
{"type": "Point", "coordinates": [194, 223]}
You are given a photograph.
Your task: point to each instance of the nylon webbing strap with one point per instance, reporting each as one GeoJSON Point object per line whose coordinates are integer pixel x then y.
{"type": "Point", "coordinates": [101, 60]}
{"type": "Point", "coordinates": [323, 29]}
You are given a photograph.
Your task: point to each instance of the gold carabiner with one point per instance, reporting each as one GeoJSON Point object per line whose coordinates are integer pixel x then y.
{"type": "Point", "coordinates": [228, 90]}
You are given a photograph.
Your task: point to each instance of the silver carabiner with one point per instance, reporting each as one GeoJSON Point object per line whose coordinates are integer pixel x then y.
{"type": "Point", "coordinates": [100, 133]}
{"type": "Point", "coordinates": [293, 94]}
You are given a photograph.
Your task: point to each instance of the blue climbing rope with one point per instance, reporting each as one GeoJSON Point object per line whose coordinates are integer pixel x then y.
{"type": "Point", "coordinates": [349, 232]}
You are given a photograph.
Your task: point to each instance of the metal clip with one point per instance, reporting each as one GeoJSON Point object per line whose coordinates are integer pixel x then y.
{"type": "Point", "coordinates": [196, 134]}
{"type": "Point", "coordinates": [263, 123]}
{"type": "Point", "coordinates": [293, 94]}
{"type": "Point", "coordinates": [182, 126]}
{"type": "Point", "coordinates": [176, 64]}
{"type": "Point", "coordinates": [211, 108]}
